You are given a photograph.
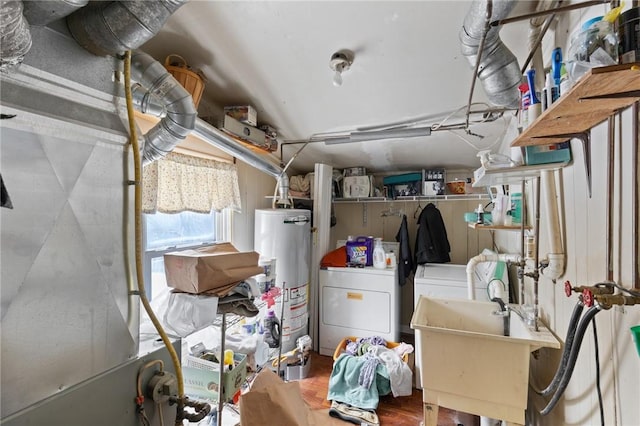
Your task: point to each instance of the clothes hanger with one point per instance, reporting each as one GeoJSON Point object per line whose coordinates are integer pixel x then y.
{"type": "Point", "coordinates": [418, 210]}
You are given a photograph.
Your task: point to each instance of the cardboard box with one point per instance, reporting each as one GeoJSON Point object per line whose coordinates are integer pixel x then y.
{"type": "Point", "coordinates": [202, 378]}
{"type": "Point", "coordinates": [243, 113]}
{"type": "Point", "coordinates": [209, 268]}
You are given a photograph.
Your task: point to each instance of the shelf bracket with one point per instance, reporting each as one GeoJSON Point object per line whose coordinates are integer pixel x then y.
{"type": "Point", "coordinates": [585, 138]}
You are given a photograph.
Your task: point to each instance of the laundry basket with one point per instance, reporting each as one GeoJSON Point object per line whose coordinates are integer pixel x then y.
{"type": "Point", "coordinates": [191, 80]}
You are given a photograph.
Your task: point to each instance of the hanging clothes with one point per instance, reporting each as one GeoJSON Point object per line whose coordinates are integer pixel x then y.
{"type": "Point", "coordinates": [405, 260]}
{"type": "Point", "coordinates": [432, 244]}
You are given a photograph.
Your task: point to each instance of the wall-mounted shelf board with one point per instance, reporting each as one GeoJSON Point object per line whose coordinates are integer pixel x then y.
{"type": "Point", "coordinates": [498, 227]}
{"type": "Point", "coordinates": [511, 175]}
{"type": "Point", "coordinates": [458, 197]}
{"type": "Point", "coordinates": [599, 94]}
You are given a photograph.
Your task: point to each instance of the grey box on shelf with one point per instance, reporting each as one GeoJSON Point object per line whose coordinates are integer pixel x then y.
{"type": "Point", "coordinates": [297, 372]}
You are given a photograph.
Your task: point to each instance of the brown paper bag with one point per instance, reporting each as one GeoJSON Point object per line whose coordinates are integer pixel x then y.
{"type": "Point", "coordinates": [270, 401]}
{"type": "Point", "coordinates": [208, 268]}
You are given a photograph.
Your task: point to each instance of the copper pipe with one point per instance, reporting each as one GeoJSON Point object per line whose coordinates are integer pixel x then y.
{"type": "Point", "coordinates": [537, 259]}
{"type": "Point", "coordinates": [636, 192]}
{"type": "Point", "coordinates": [611, 122]}
{"type": "Point", "coordinates": [546, 12]}
{"type": "Point", "coordinates": [523, 221]}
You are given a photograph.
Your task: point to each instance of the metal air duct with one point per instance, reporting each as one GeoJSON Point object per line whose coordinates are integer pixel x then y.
{"type": "Point", "coordinates": [498, 70]}
{"type": "Point", "coordinates": [181, 114]}
{"type": "Point", "coordinates": [43, 12]}
{"type": "Point", "coordinates": [15, 38]}
{"type": "Point", "coordinates": [109, 28]}
{"type": "Point", "coordinates": [148, 104]}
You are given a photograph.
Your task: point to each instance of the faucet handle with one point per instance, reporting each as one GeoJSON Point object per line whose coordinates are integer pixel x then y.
{"type": "Point", "coordinates": [588, 298]}
{"type": "Point", "coordinates": [504, 313]}
{"type": "Point", "coordinates": [568, 288]}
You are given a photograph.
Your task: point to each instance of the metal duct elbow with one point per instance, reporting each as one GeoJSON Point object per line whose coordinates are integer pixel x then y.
{"type": "Point", "coordinates": [43, 12]}
{"type": "Point", "coordinates": [498, 71]}
{"type": "Point", "coordinates": [109, 28]}
{"type": "Point", "coordinates": [15, 38]}
{"type": "Point", "coordinates": [181, 114]}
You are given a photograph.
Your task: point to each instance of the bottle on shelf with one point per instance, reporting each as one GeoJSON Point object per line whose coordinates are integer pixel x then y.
{"type": "Point", "coordinates": [379, 258]}
{"type": "Point", "coordinates": [480, 214]}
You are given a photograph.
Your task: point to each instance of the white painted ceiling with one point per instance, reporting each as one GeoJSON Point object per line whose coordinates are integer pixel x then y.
{"type": "Point", "coordinates": [407, 65]}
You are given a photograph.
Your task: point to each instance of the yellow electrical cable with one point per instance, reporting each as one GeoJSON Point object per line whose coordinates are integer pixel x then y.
{"type": "Point", "coordinates": [138, 231]}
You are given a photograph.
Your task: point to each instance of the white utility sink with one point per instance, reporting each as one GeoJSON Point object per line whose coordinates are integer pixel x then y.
{"type": "Point", "coordinates": [467, 363]}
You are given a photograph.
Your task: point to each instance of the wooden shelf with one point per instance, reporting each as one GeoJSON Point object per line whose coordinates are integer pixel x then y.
{"type": "Point", "coordinates": [599, 94]}
{"type": "Point", "coordinates": [498, 227]}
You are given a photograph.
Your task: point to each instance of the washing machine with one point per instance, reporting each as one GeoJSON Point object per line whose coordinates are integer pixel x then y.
{"type": "Point", "coordinates": [359, 302]}
{"type": "Point", "coordinates": [443, 281]}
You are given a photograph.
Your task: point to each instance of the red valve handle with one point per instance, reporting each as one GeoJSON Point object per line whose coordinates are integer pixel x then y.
{"type": "Point", "coordinates": [587, 296]}
{"type": "Point", "coordinates": [567, 288]}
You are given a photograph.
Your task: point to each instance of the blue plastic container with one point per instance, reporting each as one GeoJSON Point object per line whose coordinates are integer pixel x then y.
{"type": "Point", "coordinates": [545, 154]}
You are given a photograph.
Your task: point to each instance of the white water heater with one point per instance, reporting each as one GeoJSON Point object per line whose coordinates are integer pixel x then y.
{"type": "Point", "coordinates": [285, 235]}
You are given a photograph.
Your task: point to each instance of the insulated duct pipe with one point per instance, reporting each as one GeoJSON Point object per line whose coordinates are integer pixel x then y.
{"type": "Point", "coordinates": [224, 142]}
{"type": "Point", "coordinates": [471, 266]}
{"type": "Point", "coordinates": [112, 27]}
{"type": "Point", "coordinates": [43, 12]}
{"type": "Point", "coordinates": [181, 114]}
{"type": "Point", "coordinates": [148, 104]}
{"type": "Point", "coordinates": [498, 69]}
{"type": "Point", "coordinates": [15, 38]}
{"type": "Point", "coordinates": [555, 269]}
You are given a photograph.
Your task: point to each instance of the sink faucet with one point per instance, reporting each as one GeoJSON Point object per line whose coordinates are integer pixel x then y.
{"type": "Point", "coordinates": [527, 318]}
{"type": "Point", "coordinates": [505, 310]}
{"type": "Point", "coordinates": [504, 313]}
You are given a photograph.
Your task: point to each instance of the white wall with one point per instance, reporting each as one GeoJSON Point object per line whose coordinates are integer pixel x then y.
{"type": "Point", "coordinates": [585, 233]}
{"type": "Point", "coordinates": [254, 186]}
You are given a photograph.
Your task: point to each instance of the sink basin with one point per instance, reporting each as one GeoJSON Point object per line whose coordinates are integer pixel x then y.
{"type": "Point", "coordinates": [467, 363]}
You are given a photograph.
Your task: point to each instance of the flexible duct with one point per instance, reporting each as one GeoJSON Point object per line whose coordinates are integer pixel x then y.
{"type": "Point", "coordinates": [566, 352]}
{"type": "Point", "coordinates": [471, 266]}
{"type": "Point", "coordinates": [181, 114]}
{"type": "Point", "coordinates": [15, 38]}
{"type": "Point", "coordinates": [110, 28]}
{"type": "Point", "coordinates": [571, 362]}
{"type": "Point", "coordinates": [498, 70]}
{"type": "Point", "coordinates": [43, 12]}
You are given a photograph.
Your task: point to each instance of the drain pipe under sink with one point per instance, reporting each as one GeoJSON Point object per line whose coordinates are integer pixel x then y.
{"type": "Point", "coordinates": [471, 266]}
{"type": "Point", "coordinates": [555, 257]}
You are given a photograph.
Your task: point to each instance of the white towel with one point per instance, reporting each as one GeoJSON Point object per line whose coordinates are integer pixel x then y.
{"type": "Point", "coordinates": [400, 376]}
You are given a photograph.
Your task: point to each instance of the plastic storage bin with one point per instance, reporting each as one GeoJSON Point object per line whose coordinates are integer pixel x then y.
{"type": "Point", "coordinates": [202, 377]}
{"type": "Point", "coordinates": [595, 45]}
{"type": "Point", "coordinates": [544, 154]}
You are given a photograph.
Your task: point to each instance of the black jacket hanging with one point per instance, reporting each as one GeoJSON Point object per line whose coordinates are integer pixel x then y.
{"type": "Point", "coordinates": [405, 260]}
{"type": "Point", "coordinates": [432, 245]}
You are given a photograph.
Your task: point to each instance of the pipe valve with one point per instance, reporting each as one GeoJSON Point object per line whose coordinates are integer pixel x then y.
{"type": "Point", "coordinates": [597, 289]}
{"type": "Point", "coordinates": [608, 300]}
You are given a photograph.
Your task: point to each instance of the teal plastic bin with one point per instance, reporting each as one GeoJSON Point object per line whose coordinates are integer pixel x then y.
{"type": "Point", "coordinates": [545, 154]}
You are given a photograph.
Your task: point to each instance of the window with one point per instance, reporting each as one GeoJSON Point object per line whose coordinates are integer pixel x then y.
{"type": "Point", "coordinates": [165, 233]}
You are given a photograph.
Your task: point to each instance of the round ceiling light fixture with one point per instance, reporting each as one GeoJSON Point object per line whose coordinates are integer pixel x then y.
{"type": "Point", "coordinates": [340, 62]}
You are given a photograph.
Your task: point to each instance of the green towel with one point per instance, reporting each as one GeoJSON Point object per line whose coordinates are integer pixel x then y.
{"type": "Point", "coordinates": [344, 387]}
